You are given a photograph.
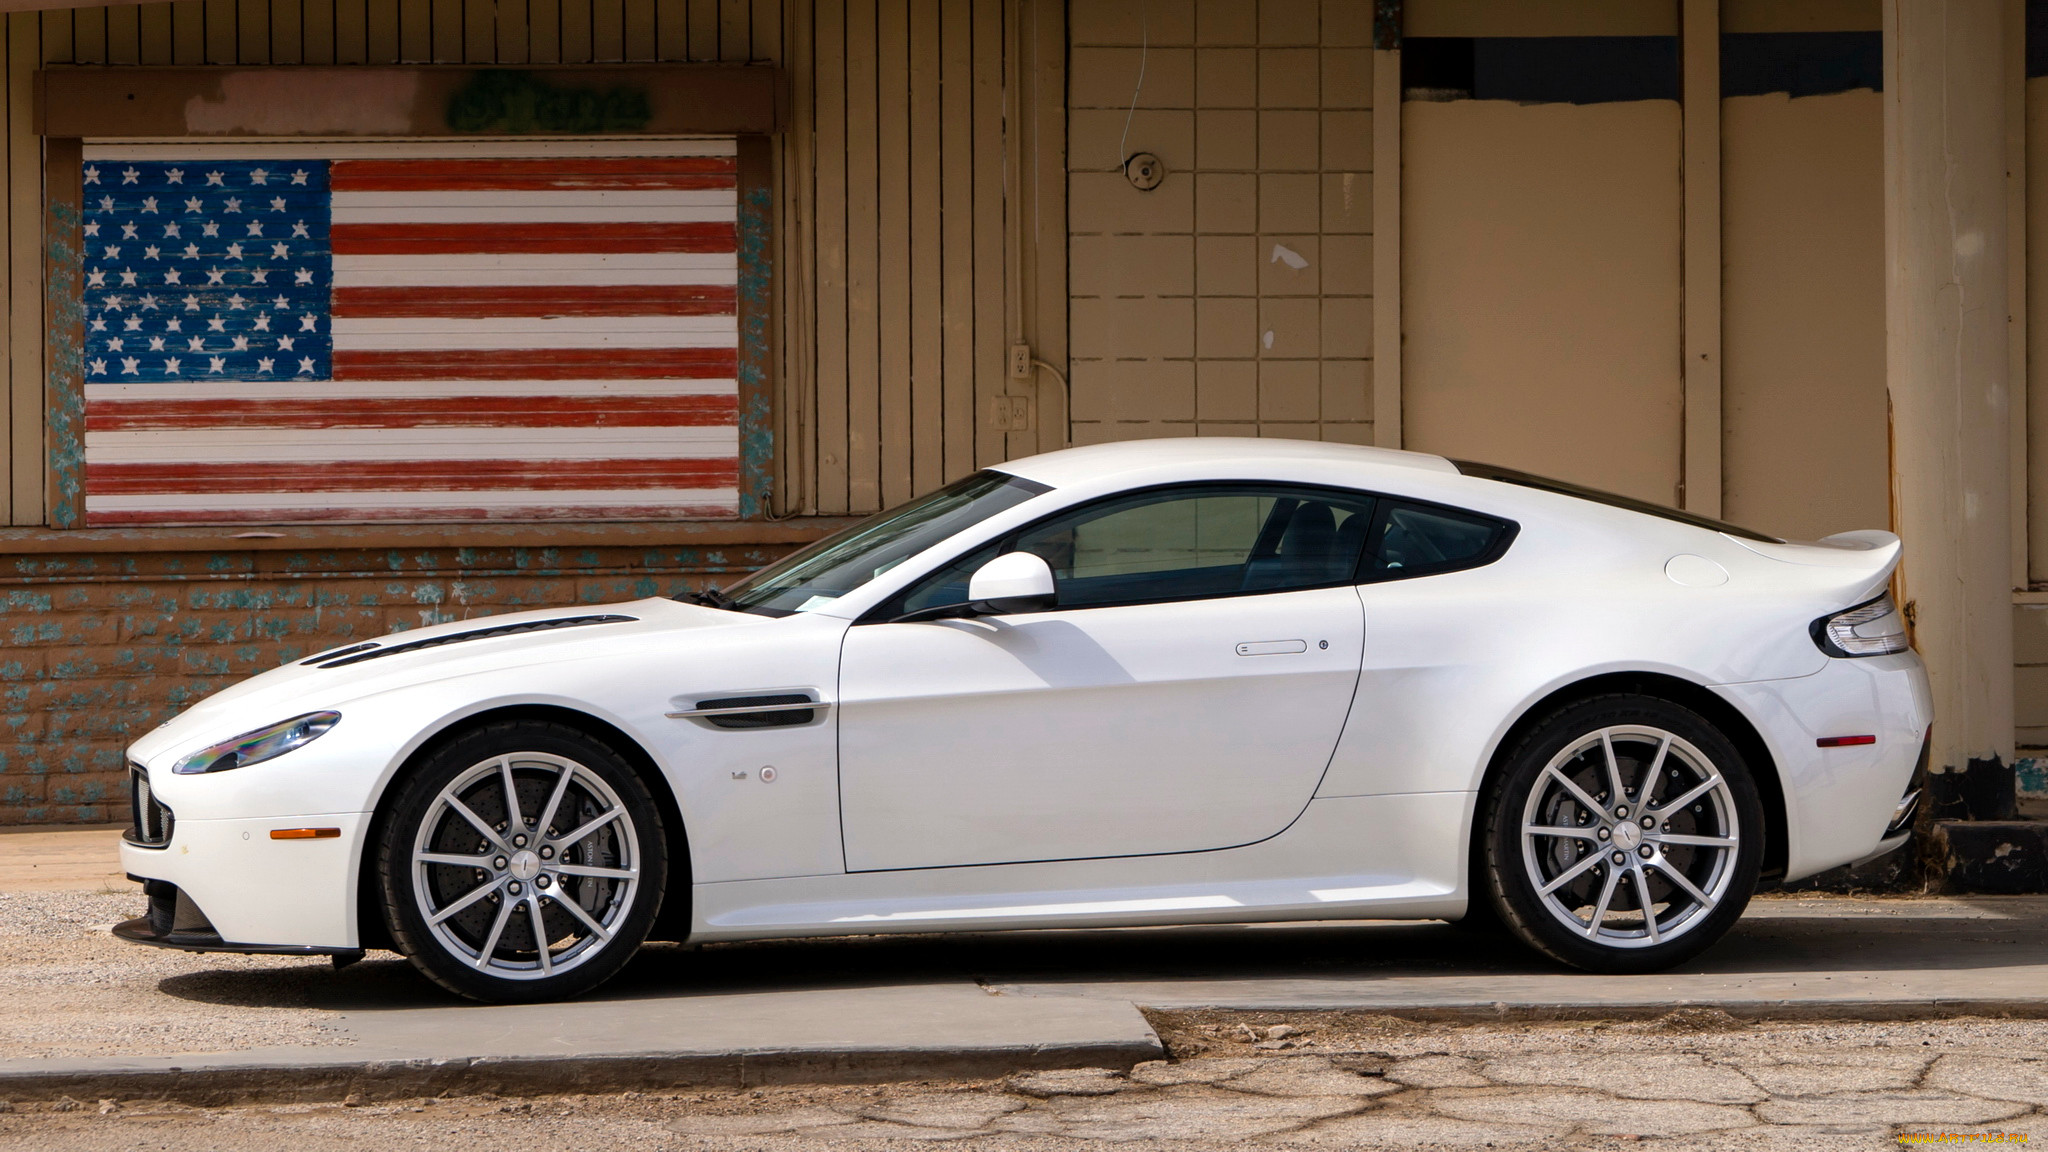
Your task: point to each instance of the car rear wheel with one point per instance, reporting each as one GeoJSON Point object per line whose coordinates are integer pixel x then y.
{"type": "Point", "coordinates": [522, 861]}
{"type": "Point", "coordinates": [1625, 835]}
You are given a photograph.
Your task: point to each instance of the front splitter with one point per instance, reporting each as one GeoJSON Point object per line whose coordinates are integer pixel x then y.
{"type": "Point", "coordinates": [138, 931]}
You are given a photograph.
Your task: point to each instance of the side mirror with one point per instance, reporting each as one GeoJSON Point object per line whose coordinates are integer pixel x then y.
{"type": "Point", "coordinates": [1013, 582]}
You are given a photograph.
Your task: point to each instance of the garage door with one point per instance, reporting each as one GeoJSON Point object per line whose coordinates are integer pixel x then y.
{"type": "Point", "coordinates": [413, 332]}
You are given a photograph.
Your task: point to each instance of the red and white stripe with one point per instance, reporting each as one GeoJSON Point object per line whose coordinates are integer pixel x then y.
{"type": "Point", "coordinates": [515, 337]}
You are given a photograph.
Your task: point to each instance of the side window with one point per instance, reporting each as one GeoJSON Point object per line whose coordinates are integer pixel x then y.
{"type": "Point", "coordinates": [1177, 544]}
{"type": "Point", "coordinates": [1418, 540]}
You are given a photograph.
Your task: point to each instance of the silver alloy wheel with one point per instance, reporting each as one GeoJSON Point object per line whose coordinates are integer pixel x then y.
{"type": "Point", "coordinates": [525, 865]}
{"type": "Point", "coordinates": [1629, 836]}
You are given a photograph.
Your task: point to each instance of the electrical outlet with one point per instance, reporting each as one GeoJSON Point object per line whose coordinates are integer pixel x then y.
{"type": "Point", "coordinates": [1020, 361]}
{"type": "Point", "coordinates": [1009, 413]}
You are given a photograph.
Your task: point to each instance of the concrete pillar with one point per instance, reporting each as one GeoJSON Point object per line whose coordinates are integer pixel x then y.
{"type": "Point", "coordinates": [1946, 312]}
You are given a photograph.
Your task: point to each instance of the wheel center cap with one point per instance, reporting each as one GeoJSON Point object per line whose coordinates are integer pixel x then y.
{"type": "Point", "coordinates": [524, 866]}
{"type": "Point", "coordinates": [1626, 837]}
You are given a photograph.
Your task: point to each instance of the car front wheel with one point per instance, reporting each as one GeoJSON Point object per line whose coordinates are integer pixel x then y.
{"type": "Point", "coordinates": [522, 861]}
{"type": "Point", "coordinates": [1625, 835]}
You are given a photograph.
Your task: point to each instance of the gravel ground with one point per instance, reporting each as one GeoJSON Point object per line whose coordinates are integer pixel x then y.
{"type": "Point", "coordinates": [68, 988]}
{"type": "Point", "coordinates": [1695, 1080]}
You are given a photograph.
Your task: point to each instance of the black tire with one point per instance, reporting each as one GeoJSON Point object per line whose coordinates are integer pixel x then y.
{"type": "Point", "coordinates": [620, 864]}
{"type": "Point", "coordinates": [1517, 867]}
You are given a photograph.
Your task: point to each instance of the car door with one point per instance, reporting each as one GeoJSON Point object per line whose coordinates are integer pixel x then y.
{"type": "Point", "coordinates": [1184, 693]}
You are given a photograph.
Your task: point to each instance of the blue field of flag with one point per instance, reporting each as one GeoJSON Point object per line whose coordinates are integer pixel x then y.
{"type": "Point", "coordinates": [206, 271]}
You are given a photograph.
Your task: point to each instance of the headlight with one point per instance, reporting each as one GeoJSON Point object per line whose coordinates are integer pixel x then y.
{"type": "Point", "coordinates": [1872, 628]}
{"type": "Point", "coordinates": [260, 745]}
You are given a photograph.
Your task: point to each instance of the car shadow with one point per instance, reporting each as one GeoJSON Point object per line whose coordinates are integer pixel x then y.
{"type": "Point", "coordinates": [1783, 941]}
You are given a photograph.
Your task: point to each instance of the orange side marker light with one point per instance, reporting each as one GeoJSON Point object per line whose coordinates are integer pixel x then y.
{"type": "Point", "coordinates": [304, 833]}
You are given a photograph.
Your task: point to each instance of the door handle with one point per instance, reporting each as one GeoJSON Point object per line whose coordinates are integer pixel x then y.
{"type": "Point", "coordinates": [1271, 647]}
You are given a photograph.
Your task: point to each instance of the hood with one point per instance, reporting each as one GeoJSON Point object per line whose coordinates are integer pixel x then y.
{"type": "Point", "coordinates": [331, 678]}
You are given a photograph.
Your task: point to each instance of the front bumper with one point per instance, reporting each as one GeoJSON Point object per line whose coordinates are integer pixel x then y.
{"type": "Point", "coordinates": [175, 921]}
{"type": "Point", "coordinates": [255, 893]}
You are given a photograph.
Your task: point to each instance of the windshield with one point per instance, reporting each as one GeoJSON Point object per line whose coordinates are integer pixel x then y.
{"type": "Point", "coordinates": [814, 577]}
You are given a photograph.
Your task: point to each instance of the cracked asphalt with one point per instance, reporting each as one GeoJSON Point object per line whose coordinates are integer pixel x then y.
{"type": "Point", "coordinates": [1695, 1079]}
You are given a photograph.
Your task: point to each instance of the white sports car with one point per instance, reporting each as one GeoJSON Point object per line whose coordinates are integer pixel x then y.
{"type": "Point", "coordinates": [1166, 682]}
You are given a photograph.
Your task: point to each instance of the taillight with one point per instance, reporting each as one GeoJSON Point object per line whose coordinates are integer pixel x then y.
{"type": "Point", "coordinates": [1872, 628]}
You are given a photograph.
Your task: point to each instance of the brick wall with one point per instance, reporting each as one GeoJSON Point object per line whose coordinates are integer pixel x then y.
{"type": "Point", "coordinates": [1235, 298]}
{"type": "Point", "coordinates": [97, 649]}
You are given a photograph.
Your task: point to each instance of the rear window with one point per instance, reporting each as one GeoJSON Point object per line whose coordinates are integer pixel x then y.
{"type": "Point", "coordinates": [1612, 500]}
{"type": "Point", "coordinates": [1422, 539]}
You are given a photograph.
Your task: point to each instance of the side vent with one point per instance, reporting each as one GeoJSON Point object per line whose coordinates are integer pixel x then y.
{"type": "Point", "coordinates": [768, 710]}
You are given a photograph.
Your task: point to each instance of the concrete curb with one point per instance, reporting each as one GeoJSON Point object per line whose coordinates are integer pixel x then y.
{"type": "Point", "coordinates": [1791, 1011]}
{"type": "Point", "coordinates": [243, 1079]}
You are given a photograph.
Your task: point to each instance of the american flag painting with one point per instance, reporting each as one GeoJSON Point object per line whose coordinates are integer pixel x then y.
{"type": "Point", "coordinates": [351, 338]}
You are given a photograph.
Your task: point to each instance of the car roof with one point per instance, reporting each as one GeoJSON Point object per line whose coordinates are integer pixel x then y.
{"type": "Point", "coordinates": [1231, 456]}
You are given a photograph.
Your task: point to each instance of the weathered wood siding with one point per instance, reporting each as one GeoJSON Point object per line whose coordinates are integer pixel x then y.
{"type": "Point", "coordinates": [929, 143]}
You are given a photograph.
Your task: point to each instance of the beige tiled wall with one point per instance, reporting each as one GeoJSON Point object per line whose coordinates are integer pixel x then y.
{"type": "Point", "coordinates": [1188, 314]}
{"type": "Point", "coordinates": [2030, 674]}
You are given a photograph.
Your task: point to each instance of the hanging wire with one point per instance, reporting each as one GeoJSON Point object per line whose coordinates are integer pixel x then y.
{"type": "Point", "coordinates": [1144, 51]}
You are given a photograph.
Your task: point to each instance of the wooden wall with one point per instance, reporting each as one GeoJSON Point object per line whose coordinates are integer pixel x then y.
{"type": "Point", "coordinates": [910, 227]}
{"type": "Point", "coordinates": [935, 239]}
